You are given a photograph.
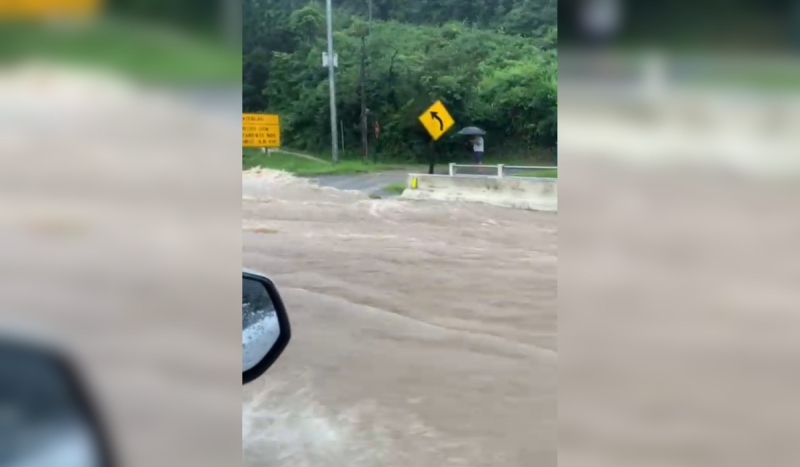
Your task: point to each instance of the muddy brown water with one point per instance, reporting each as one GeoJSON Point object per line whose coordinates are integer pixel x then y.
{"type": "Point", "coordinates": [119, 241]}
{"type": "Point", "coordinates": [424, 333]}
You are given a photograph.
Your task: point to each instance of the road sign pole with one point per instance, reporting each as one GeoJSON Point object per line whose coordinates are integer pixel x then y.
{"type": "Point", "coordinates": [436, 120]}
{"type": "Point", "coordinates": [331, 81]}
{"type": "Point", "coordinates": [431, 156]}
{"type": "Point", "coordinates": [341, 131]}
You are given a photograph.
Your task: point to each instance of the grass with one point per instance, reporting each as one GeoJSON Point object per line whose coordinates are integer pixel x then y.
{"type": "Point", "coordinates": [139, 51]}
{"type": "Point", "coordinates": [510, 157]}
{"type": "Point", "coordinates": [757, 75]}
{"type": "Point", "coordinates": [763, 80]}
{"type": "Point", "coordinates": [315, 165]}
{"type": "Point", "coordinates": [541, 173]}
{"type": "Point", "coordinates": [395, 188]}
{"type": "Point", "coordinates": [309, 167]}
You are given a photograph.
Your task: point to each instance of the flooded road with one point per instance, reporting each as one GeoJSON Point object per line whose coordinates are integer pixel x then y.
{"type": "Point", "coordinates": [374, 184]}
{"type": "Point", "coordinates": [424, 333]}
{"type": "Point", "coordinates": [119, 243]}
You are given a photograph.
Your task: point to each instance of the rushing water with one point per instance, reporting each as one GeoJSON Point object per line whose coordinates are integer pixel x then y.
{"type": "Point", "coordinates": [424, 333]}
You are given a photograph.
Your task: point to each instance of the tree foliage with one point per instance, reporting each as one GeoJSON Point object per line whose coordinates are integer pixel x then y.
{"type": "Point", "coordinates": [492, 63]}
{"type": "Point", "coordinates": [191, 15]}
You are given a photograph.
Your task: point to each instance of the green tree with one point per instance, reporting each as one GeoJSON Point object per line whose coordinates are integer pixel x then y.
{"type": "Point", "coordinates": [492, 63]}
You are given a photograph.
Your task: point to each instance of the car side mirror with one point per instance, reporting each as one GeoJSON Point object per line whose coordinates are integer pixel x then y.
{"type": "Point", "coordinates": [265, 325]}
{"type": "Point", "coordinates": [46, 415]}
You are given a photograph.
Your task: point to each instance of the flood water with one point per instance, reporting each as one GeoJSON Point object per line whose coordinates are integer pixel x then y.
{"type": "Point", "coordinates": [424, 333]}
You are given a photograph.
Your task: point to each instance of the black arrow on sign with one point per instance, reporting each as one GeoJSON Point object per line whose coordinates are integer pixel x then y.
{"type": "Point", "coordinates": [435, 116]}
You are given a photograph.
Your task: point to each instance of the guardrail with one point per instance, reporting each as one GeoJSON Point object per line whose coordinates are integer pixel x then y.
{"type": "Point", "coordinates": [499, 170]}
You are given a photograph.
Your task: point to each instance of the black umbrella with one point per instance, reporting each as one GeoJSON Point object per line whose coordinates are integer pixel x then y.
{"type": "Point", "coordinates": [471, 131]}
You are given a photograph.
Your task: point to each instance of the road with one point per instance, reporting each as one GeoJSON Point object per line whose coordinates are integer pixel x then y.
{"type": "Point", "coordinates": [424, 333]}
{"type": "Point", "coordinates": [371, 184]}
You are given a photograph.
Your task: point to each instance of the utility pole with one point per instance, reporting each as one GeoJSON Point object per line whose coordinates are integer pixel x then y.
{"type": "Point", "coordinates": [364, 137]}
{"type": "Point", "coordinates": [370, 17]}
{"type": "Point", "coordinates": [331, 81]}
{"type": "Point", "coordinates": [364, 119]}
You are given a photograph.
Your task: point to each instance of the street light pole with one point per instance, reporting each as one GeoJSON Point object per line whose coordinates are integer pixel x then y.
{"type": "Point", "coordinates": [331, 81]}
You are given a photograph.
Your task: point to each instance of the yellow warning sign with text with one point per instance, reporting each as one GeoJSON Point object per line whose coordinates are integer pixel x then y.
{"type": "Point", "coordinates": [261, 131]}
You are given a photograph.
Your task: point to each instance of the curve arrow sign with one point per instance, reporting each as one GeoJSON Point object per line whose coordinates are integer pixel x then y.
{"type": "Point", "coordinates": [435, 116]}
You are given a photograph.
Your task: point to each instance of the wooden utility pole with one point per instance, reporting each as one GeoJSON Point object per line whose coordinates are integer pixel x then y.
{"type": "Point", "coordinates": [364, 134]}
{"type": "Point", "coordinates": [364, 110]}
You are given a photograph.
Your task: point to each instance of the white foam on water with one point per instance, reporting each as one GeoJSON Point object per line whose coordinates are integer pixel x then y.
{"type": "Point", "coordinates": [260, 183]}
{"type": "Point", "coordinates": [297, 429]}
{"type": "Point", "coordinates": [270, 175]}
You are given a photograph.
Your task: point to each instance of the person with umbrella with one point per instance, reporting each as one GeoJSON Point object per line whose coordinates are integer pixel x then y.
{"type": "Point", "coordinates": [476, 141]}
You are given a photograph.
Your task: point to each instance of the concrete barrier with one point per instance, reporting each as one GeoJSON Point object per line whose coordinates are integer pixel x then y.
{"type": "Point", "coordinates": [536, 194]}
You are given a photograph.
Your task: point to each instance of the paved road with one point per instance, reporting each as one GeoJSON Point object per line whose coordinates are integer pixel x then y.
{"type": "Point", "coordinates": [371, 184]}
{"type": "Point", "coordinates": [424, 333]}
{"type": "Point", "coordinates": [374, 183]}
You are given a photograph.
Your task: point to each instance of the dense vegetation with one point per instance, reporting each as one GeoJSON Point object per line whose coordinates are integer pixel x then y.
{"type": "Point", "coordinates": [491, 62]}
{"type": "Point", "coordinates": [196, 16]}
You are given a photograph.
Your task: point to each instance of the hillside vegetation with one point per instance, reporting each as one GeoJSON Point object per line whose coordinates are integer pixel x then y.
{"type": "Point", "coordinates": [492, 63]}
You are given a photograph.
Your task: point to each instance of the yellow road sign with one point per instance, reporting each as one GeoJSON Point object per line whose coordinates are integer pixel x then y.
{"type": "Point", "coordinates": [262, 119]}
{"type": "Point", "coordinates": [436, 120]}
{"type": "Point", "coordinates": [261, 131]}
{"type": "Point", "coordinates": [32, 9]}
